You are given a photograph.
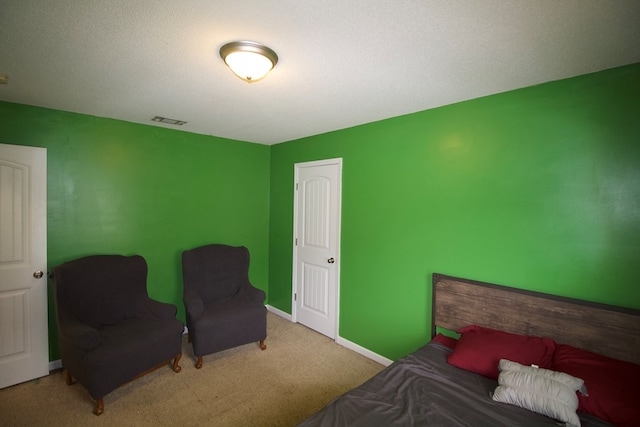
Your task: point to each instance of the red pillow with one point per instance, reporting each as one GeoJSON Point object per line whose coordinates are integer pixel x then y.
{"type": "Point", "coordinates": [612, 385]}
{"type": "Point", "coordinates": [480, 349]}
{"type": "Point", "coordinates": [445, 341]}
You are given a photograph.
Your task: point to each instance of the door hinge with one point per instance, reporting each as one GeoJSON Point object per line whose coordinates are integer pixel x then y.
{"type": "Point", "coordinates": [295, 297]}
{"type": "Point", "coordinates": [296, 241]}
{"type": "Point", "coordinates": [296, 186]}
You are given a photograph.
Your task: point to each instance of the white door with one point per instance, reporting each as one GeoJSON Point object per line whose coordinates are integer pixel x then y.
{"type": "Point", "coordinates": [24, 347]}
{"type": "Point", "coordinates": [316, 252]}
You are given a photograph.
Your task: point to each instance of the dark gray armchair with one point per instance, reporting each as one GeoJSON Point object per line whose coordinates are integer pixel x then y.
{"type": "Point", "coordinates": [110, 331]}
{"type": "Point", "coordinates": [223, 309]}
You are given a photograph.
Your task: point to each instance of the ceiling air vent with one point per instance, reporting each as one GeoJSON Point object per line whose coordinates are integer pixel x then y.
{"type": "Point", "coordinates": [168, 121]}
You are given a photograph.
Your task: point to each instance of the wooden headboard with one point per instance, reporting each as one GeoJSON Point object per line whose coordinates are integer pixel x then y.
{"type": "Point", "coordinates": [600, 328]}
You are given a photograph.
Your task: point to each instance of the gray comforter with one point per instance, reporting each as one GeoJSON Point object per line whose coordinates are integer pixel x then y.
{"type": "Point", "coordinates": [422, 389]}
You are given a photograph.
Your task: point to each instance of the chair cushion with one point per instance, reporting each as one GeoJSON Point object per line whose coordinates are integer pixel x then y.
{"type": "Point", "coordinates": [129, 348]}
{"type": "Point", "coordinates": [229, 324]}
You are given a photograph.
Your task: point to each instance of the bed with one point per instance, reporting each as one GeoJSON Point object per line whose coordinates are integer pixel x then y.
{"type": "Point", "coordinates": [568, 338]}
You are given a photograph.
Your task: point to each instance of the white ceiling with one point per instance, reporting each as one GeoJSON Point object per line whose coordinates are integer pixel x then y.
{"type": "Point", "coordinates": [342, 62]}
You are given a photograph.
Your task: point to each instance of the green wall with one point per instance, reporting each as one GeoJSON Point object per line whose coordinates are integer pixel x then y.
{"type": "Point", "coordinates": [537, 188]}
{"type": "Point", "coordinates": [118, 187]}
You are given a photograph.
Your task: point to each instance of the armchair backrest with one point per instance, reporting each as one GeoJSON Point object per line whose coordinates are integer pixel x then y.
{"type": "Point", "coordinates": [101, 290]}
{"type": "Point", "coordinates": [215, 272]}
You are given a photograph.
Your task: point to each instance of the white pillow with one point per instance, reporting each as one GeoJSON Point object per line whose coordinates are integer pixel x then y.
{"type": "Point", "coordinates": [540, 390]}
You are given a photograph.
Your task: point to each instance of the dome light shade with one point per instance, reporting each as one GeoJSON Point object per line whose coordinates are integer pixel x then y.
{"type": "Point", "coordinates": [248, 60]}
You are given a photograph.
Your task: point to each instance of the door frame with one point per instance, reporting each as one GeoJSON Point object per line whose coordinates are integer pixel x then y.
{"type": "Point", "coordinates": [294, 284]}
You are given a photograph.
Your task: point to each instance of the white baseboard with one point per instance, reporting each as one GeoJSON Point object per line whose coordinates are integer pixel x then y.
{"type": "Point", "coordinates": [341, 341]}
{"type": "Point", "coordinates": [364, 351]}
{"type": "Point", "coordinates": [55, 364]}
{"type": "Point", "coordinates": [279, 312]}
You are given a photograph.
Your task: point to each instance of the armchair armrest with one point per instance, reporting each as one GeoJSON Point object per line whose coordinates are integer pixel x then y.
{"type": "Point", "coordinates": [254, 294]}
{"type": "Point", "coordinates": [78, 334]}
{"type": "Point", "coordinates": [194, 305]}
{"type": "Point", "coordinates": [158, 310]}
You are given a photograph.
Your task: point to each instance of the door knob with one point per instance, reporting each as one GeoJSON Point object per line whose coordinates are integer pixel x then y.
{"type": "Point", "coordinates": [38, 274]}
{"type": "Point", "coordinates": [331, 260]}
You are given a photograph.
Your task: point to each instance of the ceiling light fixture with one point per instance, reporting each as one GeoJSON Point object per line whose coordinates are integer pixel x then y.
{"type": "Point", "coordinates": [250, 61]}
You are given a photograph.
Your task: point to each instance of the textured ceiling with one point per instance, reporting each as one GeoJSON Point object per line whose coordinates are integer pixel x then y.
{"type": "Point", "coordinates": [342, 63]}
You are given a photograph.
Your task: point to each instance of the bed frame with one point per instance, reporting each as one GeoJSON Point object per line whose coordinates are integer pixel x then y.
{"type": "Point", "coordinates": [600, 328]}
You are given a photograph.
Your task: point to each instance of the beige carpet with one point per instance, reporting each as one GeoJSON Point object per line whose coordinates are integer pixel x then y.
{"type": "Point", "coordinates": [298, 374]}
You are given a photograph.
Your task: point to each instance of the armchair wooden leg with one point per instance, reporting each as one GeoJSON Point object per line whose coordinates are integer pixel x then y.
{"type": "Point", "coordinates": [263, 346]}
{"type": "Point", "coordinates": [199, 362]}
{"type": "Point", "coordinates": [68, 377]}
{"type": "Point", "coordinates": [177, 368]}
{"type": "Point", "coordinates": [99, 407]}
